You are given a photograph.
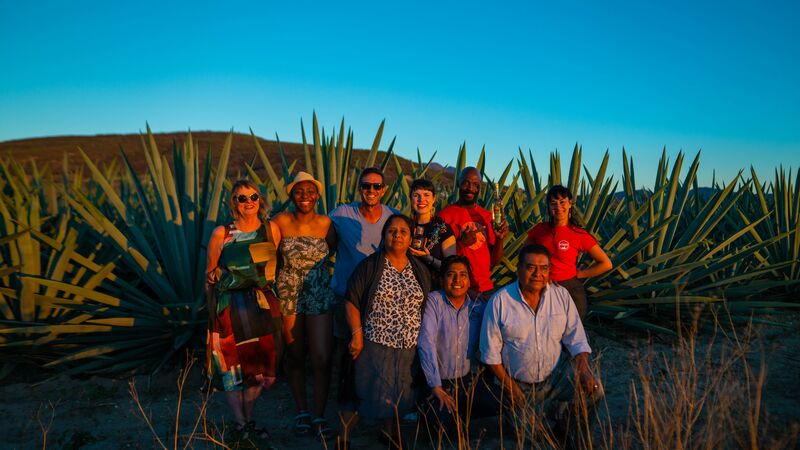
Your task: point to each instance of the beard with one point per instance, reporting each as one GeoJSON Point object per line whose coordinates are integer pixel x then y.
{"type": "Point", "coordinates": [462, 198]}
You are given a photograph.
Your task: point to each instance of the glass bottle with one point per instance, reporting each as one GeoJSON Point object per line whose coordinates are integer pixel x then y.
{"type": "Point", "coordinates": [497, 207]}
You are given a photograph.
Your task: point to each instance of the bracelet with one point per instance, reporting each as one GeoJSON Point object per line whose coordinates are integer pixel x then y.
{"type": "Point", "coordinates": [356, 331]}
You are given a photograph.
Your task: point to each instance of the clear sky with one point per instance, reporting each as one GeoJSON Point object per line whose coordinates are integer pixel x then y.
{"type": "Point", "coordinates": [717, 76]}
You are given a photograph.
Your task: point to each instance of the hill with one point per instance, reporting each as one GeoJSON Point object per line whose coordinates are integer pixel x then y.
{"type": "Point", "coordinates": [102, 149]}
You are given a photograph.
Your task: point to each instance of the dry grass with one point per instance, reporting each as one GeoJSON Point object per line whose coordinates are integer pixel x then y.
{"type": "Point", "coordinates": [703, 391]}
{"type": "Point", "coordinates": [699, 396]}
{"type": "Point", "coordinates": [209, 434]}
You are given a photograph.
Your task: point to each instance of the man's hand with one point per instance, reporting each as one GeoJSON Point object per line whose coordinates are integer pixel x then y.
{"type": "Point", "coordinates": [445, 399]}
{"type": "Point", "coordinates": [517, 396]}
{"type": "Point", "coordinates": [469, 234]}
{"type": "Point", "coordinates": [587, 381]}
{"type": "Point", "coordinates": [514, 392]}
{"type": "Point", "coordinates": [584, 376]}
{"type": "Point", "coordinates": [502, 231]}
{"type": "Point", "coordinates": [356, 344]}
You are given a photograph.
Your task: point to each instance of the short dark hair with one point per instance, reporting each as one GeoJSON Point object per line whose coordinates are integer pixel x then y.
{"type": "Point", "coordinates": [455, 259]}
{"type": "Point", "coordinates": [391, 218]}
{"type": "Point", "coordinates": [423, 184]}
{"type": "Point", "coordinates": [531, 249]}
{"type": "Point", "coordinates": [368, 171]}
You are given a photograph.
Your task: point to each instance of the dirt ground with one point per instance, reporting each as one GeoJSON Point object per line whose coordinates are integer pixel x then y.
{"type": "Point", "coordinates": [100, 413]}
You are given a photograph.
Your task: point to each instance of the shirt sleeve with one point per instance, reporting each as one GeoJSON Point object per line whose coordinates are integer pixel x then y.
{"type": "Point", "coordinates": [491, 339]}
{"type": "Point", "coordinates": [574, 338]}
{"type": "Point", "coordinates": [356, 284]}
{"type": "Point", "coordinates": [445, 231]}
{"type": "Point", "coordinates": [449, 220]}
{"type": "Point", "coordinates": [426, 345]}
{"type": "Point", "coordinates": [587, 241]}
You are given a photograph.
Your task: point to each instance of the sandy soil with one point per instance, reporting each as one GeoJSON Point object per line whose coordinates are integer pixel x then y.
{"type": "Point", "coordinates": [99, 413]}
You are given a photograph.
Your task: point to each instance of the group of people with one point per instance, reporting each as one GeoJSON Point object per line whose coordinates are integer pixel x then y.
{"type": "Point", "coordinates": [408, 302]}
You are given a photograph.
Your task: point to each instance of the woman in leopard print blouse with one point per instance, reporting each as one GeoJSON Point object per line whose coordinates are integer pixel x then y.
{"type": "Point", "coordinates": [385, 298]}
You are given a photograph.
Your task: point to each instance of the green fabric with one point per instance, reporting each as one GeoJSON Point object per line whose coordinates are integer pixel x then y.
{"type": "Point", "coordinates": [238, 269]}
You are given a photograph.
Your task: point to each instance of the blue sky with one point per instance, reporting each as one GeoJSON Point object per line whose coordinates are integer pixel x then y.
{"type": "Point", "coordinates": [721, 77]}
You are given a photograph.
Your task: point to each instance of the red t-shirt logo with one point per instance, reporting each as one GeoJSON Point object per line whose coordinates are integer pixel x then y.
{"type": "Point", "coordinates": [563, 245]}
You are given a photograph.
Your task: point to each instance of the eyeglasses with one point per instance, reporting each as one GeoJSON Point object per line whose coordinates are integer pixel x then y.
{"type": "Point", "coordinates": [241, 198]}
{"type": "Point", "coordinates": [373, 186]}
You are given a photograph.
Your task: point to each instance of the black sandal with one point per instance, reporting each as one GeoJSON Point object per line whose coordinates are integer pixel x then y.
{"type": "Point", "coordinates": [239, 432]}
{"type": "Point", "coordinates": [323, 429]}
{"type": "Point", "coordinates": [302, 424]}
{"type": "Point", "coordinates": [258, 433]}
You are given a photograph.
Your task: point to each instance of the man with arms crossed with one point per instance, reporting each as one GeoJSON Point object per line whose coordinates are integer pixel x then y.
{"type": "Point", "coordinates": [524, 328]}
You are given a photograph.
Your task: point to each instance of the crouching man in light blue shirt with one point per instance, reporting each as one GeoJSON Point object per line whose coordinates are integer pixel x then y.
{"type": "Point", "coordinates": [527, 329]}
{"type": "Point", "coordinates": [448, 342]}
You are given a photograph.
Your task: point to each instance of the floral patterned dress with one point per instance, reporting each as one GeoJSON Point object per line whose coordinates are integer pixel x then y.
{"type": "Point", "coordinates": [304, 279]}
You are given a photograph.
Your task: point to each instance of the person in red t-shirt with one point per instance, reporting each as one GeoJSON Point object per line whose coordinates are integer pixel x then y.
{"type": "Point", "coordinates": [475, 237]}
{"type": "Point", "coordinates": [564, 238]}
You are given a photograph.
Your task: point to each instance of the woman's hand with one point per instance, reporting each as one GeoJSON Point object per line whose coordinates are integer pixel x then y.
{"type": "Point", "coordinates": [445, 399]}
{"type": "Point", "coordinates": [422, 252]}
{"type": "Point", "coordinates": [356, 344]}
{"type": "Point", "coordinates": [602, 264]}
{"type": "Point", "coordinates": [212, 277]}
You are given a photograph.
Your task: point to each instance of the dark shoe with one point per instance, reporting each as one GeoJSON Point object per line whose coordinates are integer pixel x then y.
{"type": "Point", "coordinates": [239, 433]}
{"type": "Point", "coordinates": [256, 432]}
{"type": "Point", "coordinates": [323, 430]}
{"type": "Point", "coordinates": [302, 424]}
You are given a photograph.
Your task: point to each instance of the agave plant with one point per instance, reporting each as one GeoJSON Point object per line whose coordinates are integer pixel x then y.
{"type": "Point", "coordinates": [41, 240]}
{"type": "Point", "coordinates": [335, 164]}
{"type": "Point", "coordinates": [145, 303]}
{"type": "Point", "coordinates": [104, 270]}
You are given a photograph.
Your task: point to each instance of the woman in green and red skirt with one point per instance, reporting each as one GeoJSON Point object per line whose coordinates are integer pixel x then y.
{"type": "Point", "coordinates": [244, 340]}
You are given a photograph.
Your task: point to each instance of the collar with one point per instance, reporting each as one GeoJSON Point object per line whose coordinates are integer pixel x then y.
{"type": "Point", "coordinates": [469, 302]}
{"type": "Point", "coordinates": [521, 298]}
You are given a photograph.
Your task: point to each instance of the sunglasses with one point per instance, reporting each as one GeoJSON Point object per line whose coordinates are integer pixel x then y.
{"type": "Point", "coordinates": [241, 198]}
{"type": "Point", "coordinates": [373, 186]}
